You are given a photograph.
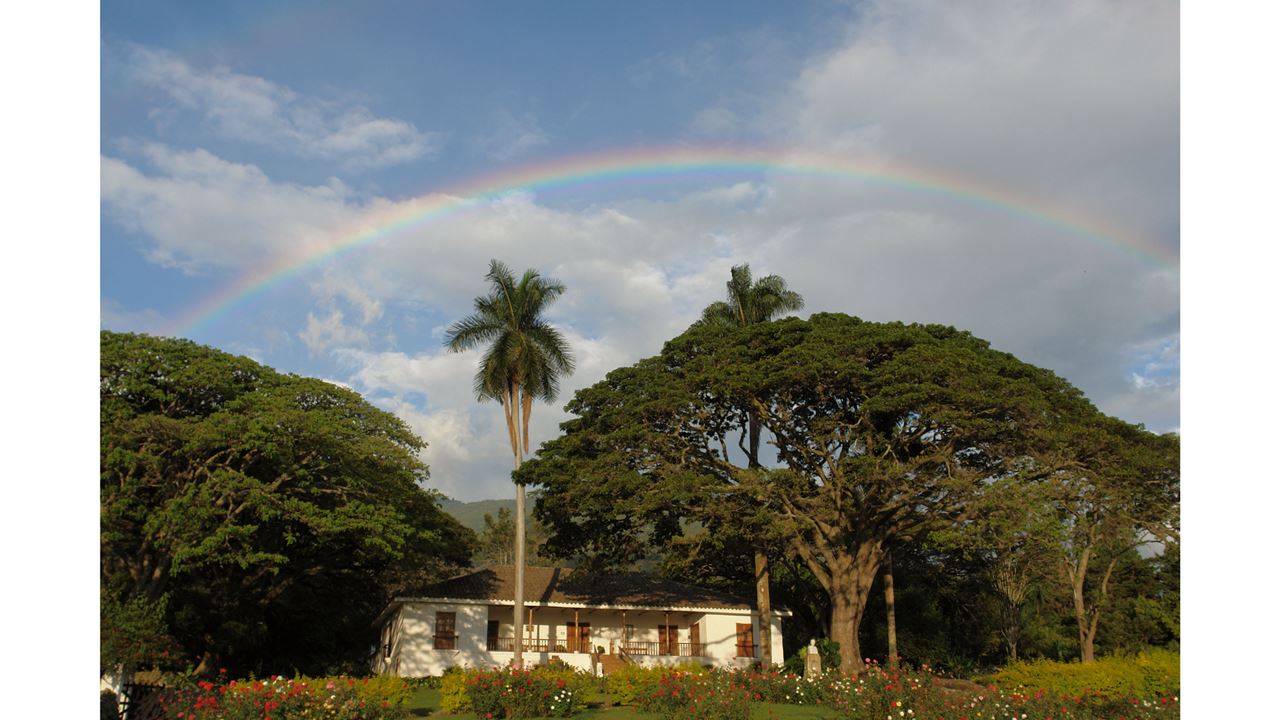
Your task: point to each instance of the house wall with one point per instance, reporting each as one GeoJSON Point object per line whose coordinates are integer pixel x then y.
{"type": "Point", "coordinates": [412, 630]}
{"type": "Point", "coordinates": [415, 651]}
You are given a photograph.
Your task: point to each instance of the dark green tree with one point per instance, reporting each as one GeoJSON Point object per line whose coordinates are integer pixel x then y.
{"type": "Point", "coordinates": [524, 359]}
{"type": "Point", "coordinates": [750, 303]}
{"type": "Point", "coordinates": [259, 520]}
{"type": "Point", "coordinates": [1115, 488]}
{"type": "Point", "coordinates": [497, 539]}
{"type": "Point", "coordinates": [1012, 534]}
{"type": "Point", "coordinates": [880, 430]}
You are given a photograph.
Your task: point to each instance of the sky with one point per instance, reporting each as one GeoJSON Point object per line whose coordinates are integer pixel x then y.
{"type": "Point", "coordinates": [320, 186]}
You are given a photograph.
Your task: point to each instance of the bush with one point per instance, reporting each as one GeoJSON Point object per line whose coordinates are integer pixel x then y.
{"type": "Point", "coordinates": [518, 694]}
{"type": "Point", "coordinates": [453, 691]}
{"type": "Point", "coordinates": [717, 695]}
{"type": "Point", "coordinates": [341, 698]}
{"type": "Point", "coordinates": [629, 683]}
{"type": "Point", "coordinates": [1149, 674]}
{"type": "Point", "coordinates": [828, 649]}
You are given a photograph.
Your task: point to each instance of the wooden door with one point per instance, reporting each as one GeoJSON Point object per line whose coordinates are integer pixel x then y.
{"type": "Point", "coordinates": [695, 642]}
{"type": "Point", "coordinates": [668, 639]}
{"type": "Point", "coordinates": [579, 637]}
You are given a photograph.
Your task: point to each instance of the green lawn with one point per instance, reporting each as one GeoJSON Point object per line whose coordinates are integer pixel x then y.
{"type": "Point", "coordinates": [426, 701]}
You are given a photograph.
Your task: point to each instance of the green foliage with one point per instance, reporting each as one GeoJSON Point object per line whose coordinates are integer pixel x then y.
{"type": "Point", "coordinates": [517, 694]}
{"type": "Point", "coordinates": [134, 634]}
{"type": "Point", "coordinates": [454, 698]}
{"type": "Point", "coordinates": [828, 650]}
{"type": "Point", "coordinates": [629, 683]}
{"type": "Point", "coordinates": [276, 513]}
{"type": "Point", "coordinates": [1151, 673]}
{"type": "Point", "coordinates": [701, 696]}
{"type": "Point", "coordinates": [340, 698]}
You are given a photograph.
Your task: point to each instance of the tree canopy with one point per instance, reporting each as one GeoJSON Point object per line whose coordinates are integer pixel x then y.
{"type": "Point", "coordinates": [881, 431]}
{"type": "Point", "coordinates": [259, 520]}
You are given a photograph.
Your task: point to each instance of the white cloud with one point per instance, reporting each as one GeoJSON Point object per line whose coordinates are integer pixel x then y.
{"type": "Point", "coordinates": [199, 210]}
{"type": "Point", "coordinates": [330, 332]}
{"type": "Point", "coordinates": [252, 109]}
{"type": "Point", "coordinates": [513, 135]}
{"type": "Point", "coordinates": [115, 316]}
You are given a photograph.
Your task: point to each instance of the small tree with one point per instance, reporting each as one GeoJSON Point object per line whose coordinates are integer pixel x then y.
{"type": "Point", "coordinates": [1115, 487]}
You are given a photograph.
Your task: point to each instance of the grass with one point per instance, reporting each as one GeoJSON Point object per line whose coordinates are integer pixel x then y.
{"type": "Point", "coordinates": [426, 702]}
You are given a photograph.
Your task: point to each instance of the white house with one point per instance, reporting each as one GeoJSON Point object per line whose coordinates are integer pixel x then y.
{"type": "Point", "coordinates": [590, 621]}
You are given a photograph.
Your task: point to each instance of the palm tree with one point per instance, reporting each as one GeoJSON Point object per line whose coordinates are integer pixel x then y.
{"type": "Point", "coordinates": [750, 303]}
{"type": "Point", "coordinates": [524, 359]}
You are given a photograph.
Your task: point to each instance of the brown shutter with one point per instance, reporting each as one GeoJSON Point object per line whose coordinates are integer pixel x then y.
{"type": "Point", "coordinates": [745, 641]}
{"type": "Point", "coordinates": [445, 637]}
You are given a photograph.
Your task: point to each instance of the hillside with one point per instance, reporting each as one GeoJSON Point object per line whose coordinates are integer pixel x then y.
{"type": "Point", "coordinates": [471, 514]}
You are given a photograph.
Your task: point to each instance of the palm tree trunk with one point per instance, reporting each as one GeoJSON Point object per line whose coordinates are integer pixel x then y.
{"type": "Point", "coordinates": [517, 659]}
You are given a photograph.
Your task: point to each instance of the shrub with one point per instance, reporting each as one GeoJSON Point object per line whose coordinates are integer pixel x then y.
{"type": "Point", "coordinates": [453, 691]}
{"type": "Point", "coordinates": [786, 687]}
{"type": "Point", "coordinates": [518, 694]}
{"type": "Point", "coordinates": [629, 683]}
{"type": "Point", "coordinates": [342, 698]}
{"type": "Point", "coordinates": [717, 695]}
{"type": "Point", "coordinates": [1149, 674]}
{"type": "Point", "coordinates": [828, 649]}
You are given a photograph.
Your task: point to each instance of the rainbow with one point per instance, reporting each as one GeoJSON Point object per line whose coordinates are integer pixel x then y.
{"type": "Point", "coordinates": [657, 163]}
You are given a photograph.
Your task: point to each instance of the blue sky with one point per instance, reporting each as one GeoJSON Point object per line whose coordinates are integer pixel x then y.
{"type": "Point", "coordinates": [233, 134]}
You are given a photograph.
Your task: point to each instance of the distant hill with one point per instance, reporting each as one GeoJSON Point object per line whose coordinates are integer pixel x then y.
{"type": "Point", "coordinates": [471, 514]}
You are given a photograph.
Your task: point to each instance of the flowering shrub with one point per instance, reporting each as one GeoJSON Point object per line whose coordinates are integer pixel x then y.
{"type": "Point", "coordinates": [716, 695]}
{"type": "Point", "coordinates": [792, 689]}
{"type": "Point", "coordinates": [909, 694]}
{"type": "Point", "coordinates": [1148, 674]}
{"type": "Point", "coordinates": [517, 694]}
{"type": "Point", "coordinates": [277, 698]}
{"type": "Point", "coordinates": [1017, 706]}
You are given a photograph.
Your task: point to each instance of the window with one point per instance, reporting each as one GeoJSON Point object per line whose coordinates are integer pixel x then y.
{"type": "Point", "coordinates": [746, 644]}
{"type": "Point", "coordinates": [445, 637]}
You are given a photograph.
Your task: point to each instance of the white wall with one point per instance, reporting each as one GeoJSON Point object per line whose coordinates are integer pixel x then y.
{"type": "Point", "coordinates": [414, 653]}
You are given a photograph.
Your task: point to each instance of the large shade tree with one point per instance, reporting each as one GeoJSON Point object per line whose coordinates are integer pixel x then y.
{"type": "Point", "coordinates": [524, 359]}
{"type": "Point", "coordinates": [251, 519]}
{"type": "Point", "coordinates": [749, 303]}
{"type": "Point", "coordinates": [880, 430]}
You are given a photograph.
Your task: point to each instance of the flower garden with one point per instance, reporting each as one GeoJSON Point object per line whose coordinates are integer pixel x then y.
{"type": "Point", "coordinates": [696, 693]}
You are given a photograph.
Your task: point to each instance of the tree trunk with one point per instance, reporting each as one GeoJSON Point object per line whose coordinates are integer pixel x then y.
{"type": "Point", "coordinates": [850, 588]}
{"type": "Point", "coordinates": [1076, 573]}
{"type": "Point", "coordinates": [764, 608]}
{"type": "Point", "coordinates": [889, 611]}
{"type": "Point", "coordinates": [517, 659]}
{"type": "Point", "coordinates": [763, 605]}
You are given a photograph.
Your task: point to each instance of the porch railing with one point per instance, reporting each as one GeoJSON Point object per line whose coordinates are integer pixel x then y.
{"type": "Point", "coordinates": [629, 647]}
{"type": "Point", "coordinates": [680, 649]}
{"type": "Point", "coordinates": [506, 644]}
